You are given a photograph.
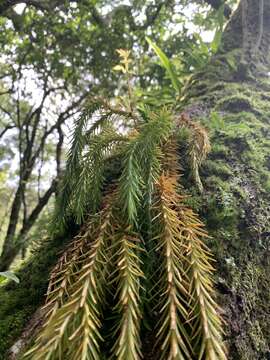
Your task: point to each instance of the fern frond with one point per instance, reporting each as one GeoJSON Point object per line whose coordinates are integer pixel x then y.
{"type": "Point", "coordinates": [154, 133]}
{"type": "Point", "coordinates": [189, 258]}
{"type": "Point", "coordinates": [72, 330]}
{"type": "Point", "coordinates": [199, 146]}
{"type": "Point", "coordinates": [111, 114]}
{"type": "Point", "coordinates": [206, 320]}
{"type": "Point", "coordinates": [78, 138]}
{"type": "Point", "coordinates": [87, 192]}
{"type": "Point", "coordinates": [61, 276]}
{"type": "Point", "coordinates": [127, 345]}
{"type": "Point", "coordinates": [141, 164]}
{"type": "Point", "coordinates": [81, 177]}
{"type": "Point", "coordinates": [131, 182]}
{"type": "Point", "coordinates": [172, 333]}
{"type": "Point", "coordinates": [74, 158]}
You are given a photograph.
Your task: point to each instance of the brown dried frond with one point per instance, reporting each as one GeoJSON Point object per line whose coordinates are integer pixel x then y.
{"type": "Point", "coordinates": [61, 275]}
{"type": "Point", "coordinates": [170, 159]}
{"type": "Point", "coordinates": [188, 262]}
{"type": "Point", "coordinates": [199, 145]}
{"type": "Point", "coordinates": [172, 333]}
{"type": "Point", "coordinates": [205, 313]}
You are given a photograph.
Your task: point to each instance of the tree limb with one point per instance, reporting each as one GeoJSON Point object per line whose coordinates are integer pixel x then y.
{"type": "Point", "coordinates": [152, 12]}
{"type": "Point", "coordinates": [13, 249]}
{"type": "Point", "coordinates": [5, 130]}
{"type": "Point", "coordinates": [37, 210]}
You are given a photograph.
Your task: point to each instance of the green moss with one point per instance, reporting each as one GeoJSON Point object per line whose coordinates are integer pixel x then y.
{"type": "Point", "coordinates": [218, 168]}
{"type": "Point", "coordinates": [235, 203]}
{"type": "Point", "coordinates": [239, 192]}
{"type": "Point", "coordinates": [235, 103]}
{"type": "Point", "coordinates": [194, 199]}
{"type": "Point", "coordinates": [219, 151]}
{"type": "Point", "coordinates": [221, 215]}
{"type": "Point", "coordinates": [11, 327]}
{"type": "Point", "coordinates": [240, 118]}
{"type": "Point", "coordinates": [246, 283]}
{"type": "Point", "coordinates": [266, 184]}
{"type": "Point", "coordinates": [214, 182]}
{"type": "Point", "coordinates": [19, 301]}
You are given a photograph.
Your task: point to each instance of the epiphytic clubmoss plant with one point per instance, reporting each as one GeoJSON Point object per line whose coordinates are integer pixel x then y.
{"type": "Point", "coordinates": [107, 260]}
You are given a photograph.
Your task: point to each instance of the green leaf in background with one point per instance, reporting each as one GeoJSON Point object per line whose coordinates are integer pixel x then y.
{"type": "Point", "coordinates": [8, 275]}
{"type": "Point", "coordinates": [219, 30]}
{"type": "Point", "coordinates": [167, 64]}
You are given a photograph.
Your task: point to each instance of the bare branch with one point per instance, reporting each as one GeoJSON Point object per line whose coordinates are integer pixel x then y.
{"type": "Point", "coordinates": [59, 150]}
{"type": "Point", "coordinates": [37, 210]}
{"type": "Point", "coordinates": [9, 127]}
{"type": "Point", "coordinates": [7, 112]}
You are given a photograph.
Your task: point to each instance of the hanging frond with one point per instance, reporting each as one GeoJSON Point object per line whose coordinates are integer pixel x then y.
{"type": "Point", "coordinates": [87, 191]}
{"type": "Point", "coordinates": [72, 330]}
{"type": "Point", "coordinates": [205, 313]}
{"type": "Point", "coordinates": [154, 133]}
{"type": "Point", "coordinates": [189, 292]}
{"type": "Point", "coordinates": [62, 275]}
{"type": "Point", "coordinates": [172, 331]}
{"type": "Point", "coordinates": [131, 182]}
{"type": "Point", "coordinates": [86, 162]}
{"type": "Point", "coordinates": [199, 146]}
{"type": "Point", "coordinates": [74, 158]}
{"type": "Point", "coordinates": [141, 164]}
{"type": "Point", "coordinates": [128, 280]}
{"type": "Point", "coordinates": [78, 138]}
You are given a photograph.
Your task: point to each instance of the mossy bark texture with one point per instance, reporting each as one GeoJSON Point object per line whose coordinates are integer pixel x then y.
{"type": "Point", "coordinates": [18, 302]}
{"type": "Point", "coordinates": [231, 97]}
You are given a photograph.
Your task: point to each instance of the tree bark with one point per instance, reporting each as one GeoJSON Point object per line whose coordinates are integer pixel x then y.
{"type": "Point", "coordinates": [12, 248]}
{"type": "Point", "coordinates": [231, 97]}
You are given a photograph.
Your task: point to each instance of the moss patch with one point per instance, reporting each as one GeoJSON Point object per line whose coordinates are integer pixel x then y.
{"type": "Point", "coordinates": [235, 204]}
{"type": "Point", "coordinates": [19, 301]}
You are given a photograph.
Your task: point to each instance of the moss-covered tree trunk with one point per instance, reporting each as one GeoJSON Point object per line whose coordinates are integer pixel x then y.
{"type": "Point", "coordinates": [232, 98]}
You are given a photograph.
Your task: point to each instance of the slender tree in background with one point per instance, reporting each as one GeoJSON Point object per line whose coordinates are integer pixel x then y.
{"type": "Point", "coordinates": [230, 96]}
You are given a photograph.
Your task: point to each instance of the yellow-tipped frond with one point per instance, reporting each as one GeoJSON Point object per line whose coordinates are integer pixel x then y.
{"type": "Point", "coordinates": [172, 333]}
{"type": "Point", "coordinates": [199, 145]}
{"type": "Point", "coordinates": [128, 343]}
{"type": "Point", "coordinates": [205, 313]}
{"type": "Point", "coordinates": [72, 328]}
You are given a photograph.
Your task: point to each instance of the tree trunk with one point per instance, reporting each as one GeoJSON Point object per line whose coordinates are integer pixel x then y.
{"type": "Point", "coordinates": [231, 97]}
{"type": "Point", "coordinates": [13, 245]}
